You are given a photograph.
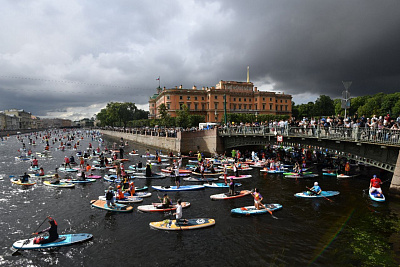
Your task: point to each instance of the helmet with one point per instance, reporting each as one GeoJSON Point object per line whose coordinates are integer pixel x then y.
{"type": "Point", "coordinates": [131, 183]}
{"type": "Point", "coordinates": [316, 183]}
{"type": "Point", "coordinates": [374, 175]}
{"type": "Point", "coordinates": [118, 186]}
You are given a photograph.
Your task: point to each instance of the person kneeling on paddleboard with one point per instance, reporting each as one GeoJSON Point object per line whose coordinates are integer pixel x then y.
{"type": "Point", "coordinates": [257, 198]}
{"type": "Point", "coordinates": [52, 230]}
{"type": "Point", "coordinates": [25, 178]}
{"type": "Point", "coordinates": [316, 189]}
{"type": "Point", "coordinates": [231, 187]}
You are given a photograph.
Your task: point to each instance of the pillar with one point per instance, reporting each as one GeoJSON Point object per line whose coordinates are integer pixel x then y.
{"type": "Point", "coordinates": [395, 184]}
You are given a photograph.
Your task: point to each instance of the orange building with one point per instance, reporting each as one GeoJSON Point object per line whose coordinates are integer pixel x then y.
{"type": "Point", "coordinates": [241, 97]}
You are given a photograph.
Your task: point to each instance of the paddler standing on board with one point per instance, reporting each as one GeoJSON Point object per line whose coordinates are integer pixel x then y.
{"type": "Point", "coordinates": [375, 185]}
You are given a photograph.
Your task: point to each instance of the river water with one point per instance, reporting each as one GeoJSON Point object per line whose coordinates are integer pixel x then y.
{"type": "Point", "coordinates": [342, 232]}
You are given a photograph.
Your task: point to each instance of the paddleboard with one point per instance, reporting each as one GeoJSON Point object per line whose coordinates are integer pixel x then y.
{"type": "Point", "coordinates": [374, 196]}
{"type": "Point", "coordinates": [18, 182]}
{"type": "Point", "coordinates": [102, 204]}
{"type": "Point", "coordinates": [128, 199]}
{"type": "Point", "coordinates": [208, 173]}
{"type": "Point", "coordinates": [156, 207]}
{"type": "Point", "coordinates": [199, 179]}
{"type": "Point", "coordinates": [227, 196]}
{"type": "Point", "coordinates": [243, 176]}
{"type": "Point", "coordinates": [181, 188]}
{"type": "Point", "coordinates": [189, 225]}
{"type": "Point", "coordinates": [78, 181]}
{"type": "Point", "coordinates": [63, 240]}
{"type": "Point", "coordinates": [60, 185]}
{"type": "Point", "coordinates": [139, 194]}
{"type": "Point", "coordinates": [302, 176]}
{"type": "Point", "coordinates": [154, 176]}
{"type": "Point", "coordinates": [251, 210]}
{"type": "Point", "coordinates": [180, 171]}
{"type": "Point", "coordinates": [329, 174]}
{"type": "Point", "coordinates": [308, 194]}
{"type": "Point", "coordinates": [220, 185]}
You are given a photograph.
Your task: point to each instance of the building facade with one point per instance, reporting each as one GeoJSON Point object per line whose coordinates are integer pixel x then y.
{"type": "Point", "coordinates": [239, 97]}
{"type": "Point", "coordinates": [24, 118]}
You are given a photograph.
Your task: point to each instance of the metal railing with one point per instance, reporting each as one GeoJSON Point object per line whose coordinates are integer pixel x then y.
{"type": "Point", "coordinates": [367, 135]}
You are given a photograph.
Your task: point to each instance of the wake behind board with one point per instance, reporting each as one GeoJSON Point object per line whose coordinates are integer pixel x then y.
{"type": "Point", "coordinates": [189, 225]}
{"type": "Point", "coordinates": [63, 240]}
{"type": "Point", "coordinates": [102, 204]}
{"type": "Point", "coordinates": [251, 210]}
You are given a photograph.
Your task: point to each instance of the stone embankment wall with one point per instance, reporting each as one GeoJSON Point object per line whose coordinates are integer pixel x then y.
{"type": "Point", "coordinates": [206, 142]}
{"type": "Point", "coordinates": [395, 183]}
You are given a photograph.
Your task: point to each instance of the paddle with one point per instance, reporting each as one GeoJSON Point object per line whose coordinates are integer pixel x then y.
{"type": "Point", "coordinates": [319, 194]}
{"type": "Point", "coordinates": [16, 253]}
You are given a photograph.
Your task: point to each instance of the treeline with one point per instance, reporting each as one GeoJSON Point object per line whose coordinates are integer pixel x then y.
{"type": "Point", "coordinates": [128, 115]}
{"type": "Point", "coordinates": [379, 104]}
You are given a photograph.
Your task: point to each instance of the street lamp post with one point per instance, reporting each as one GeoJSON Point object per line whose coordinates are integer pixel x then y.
{"type": "Point", "coordinates": [216, 116]}
{"type": "Point", "coordinates": [256, 116]}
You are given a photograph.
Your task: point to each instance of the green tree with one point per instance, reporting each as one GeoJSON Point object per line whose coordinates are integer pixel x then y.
{"type": "Point", "coordinates": [182, 118]}
{"type": "Point", "coordinates": [323, 106]}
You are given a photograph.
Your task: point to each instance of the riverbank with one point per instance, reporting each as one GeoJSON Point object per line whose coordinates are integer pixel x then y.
{"type": "Point", "coordinates": [206, 141]}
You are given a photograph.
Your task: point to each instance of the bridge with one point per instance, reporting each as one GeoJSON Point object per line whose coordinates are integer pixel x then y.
{"type": "Point", "coordinates": [376, 147]}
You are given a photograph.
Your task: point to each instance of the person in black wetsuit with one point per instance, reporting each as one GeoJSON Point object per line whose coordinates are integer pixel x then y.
{"type": "Point", "coordinates": [52, 230]}
{"type": "Point", "coordinates": [25, 178]}
{"type": "Point", "coordinates": [148, 170]}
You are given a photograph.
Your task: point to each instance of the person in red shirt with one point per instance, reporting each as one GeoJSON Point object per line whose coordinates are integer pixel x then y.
{"type": "Point", "coordinates": [375, 185]}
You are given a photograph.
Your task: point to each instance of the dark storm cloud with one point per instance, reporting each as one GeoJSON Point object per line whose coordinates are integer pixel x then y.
{"type": "Point", "coordinates": [69, 59]}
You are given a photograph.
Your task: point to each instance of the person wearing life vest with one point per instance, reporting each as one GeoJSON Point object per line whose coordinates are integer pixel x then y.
{"type": "Point", "coordinates": [132, 189]}
{"type": "Point", "coordinates": [166, 202]}
{"type": "Point", "coordinates": [375, 185]}
{"type": "Point", "coordinates": [257, 198]}
{"type": "Point", "coordinates": [41, 171]}
{"type": "Point", "coordinates": [88, 169]}
{"type": "Point", "coordinates": [52, 230]}
{"type": "Point", "coordinates": [120, 193]}
{"type": "Point", "coordinates": [347, 168]}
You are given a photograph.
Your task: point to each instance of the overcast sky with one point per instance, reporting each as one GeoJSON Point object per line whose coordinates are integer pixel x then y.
{"type": "Point", "coordinates": [70, 58]}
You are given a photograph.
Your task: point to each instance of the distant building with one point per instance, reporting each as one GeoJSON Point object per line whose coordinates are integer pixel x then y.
{"type": "Point", "coordinates": [56, 123]}
{"type": "Point", "coordinates": [241, 97]}
{"type": "Point", "coordinates": [24, 118]}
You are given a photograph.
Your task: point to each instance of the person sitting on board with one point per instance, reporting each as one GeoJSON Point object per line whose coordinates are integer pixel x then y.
{"type": "Point", "coordinates": [132, 188]}
{"type": "Point", "coordinates": [231, 187]}
{"type": "Point", "coordinates": [148, 170]}
{"type": "Point", "coordinates": [25, 178]}
{"type": "Point", "coordinates": [316, 189]}
{"type": "Point", "coordinates": [56, 179]}
{"type": "Point", "coordinates": [110, 197]}
{"type": "Point", "coordinates": [178, 213]}
{"type": "Point", "coordinates": [120, 193]}
{"type": "Point", "coordinates": [257, 198]}
{"type": "Point", "coordinates": [88, 169]}
{"type": "Point", "coordinates": [41, 171]}
{"type": "Point", "coordinates": [375, 185]}
{"type": "Point", "coordinates": [52, 230]}
{"type": "Point", "coordinates": [166, 202]}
